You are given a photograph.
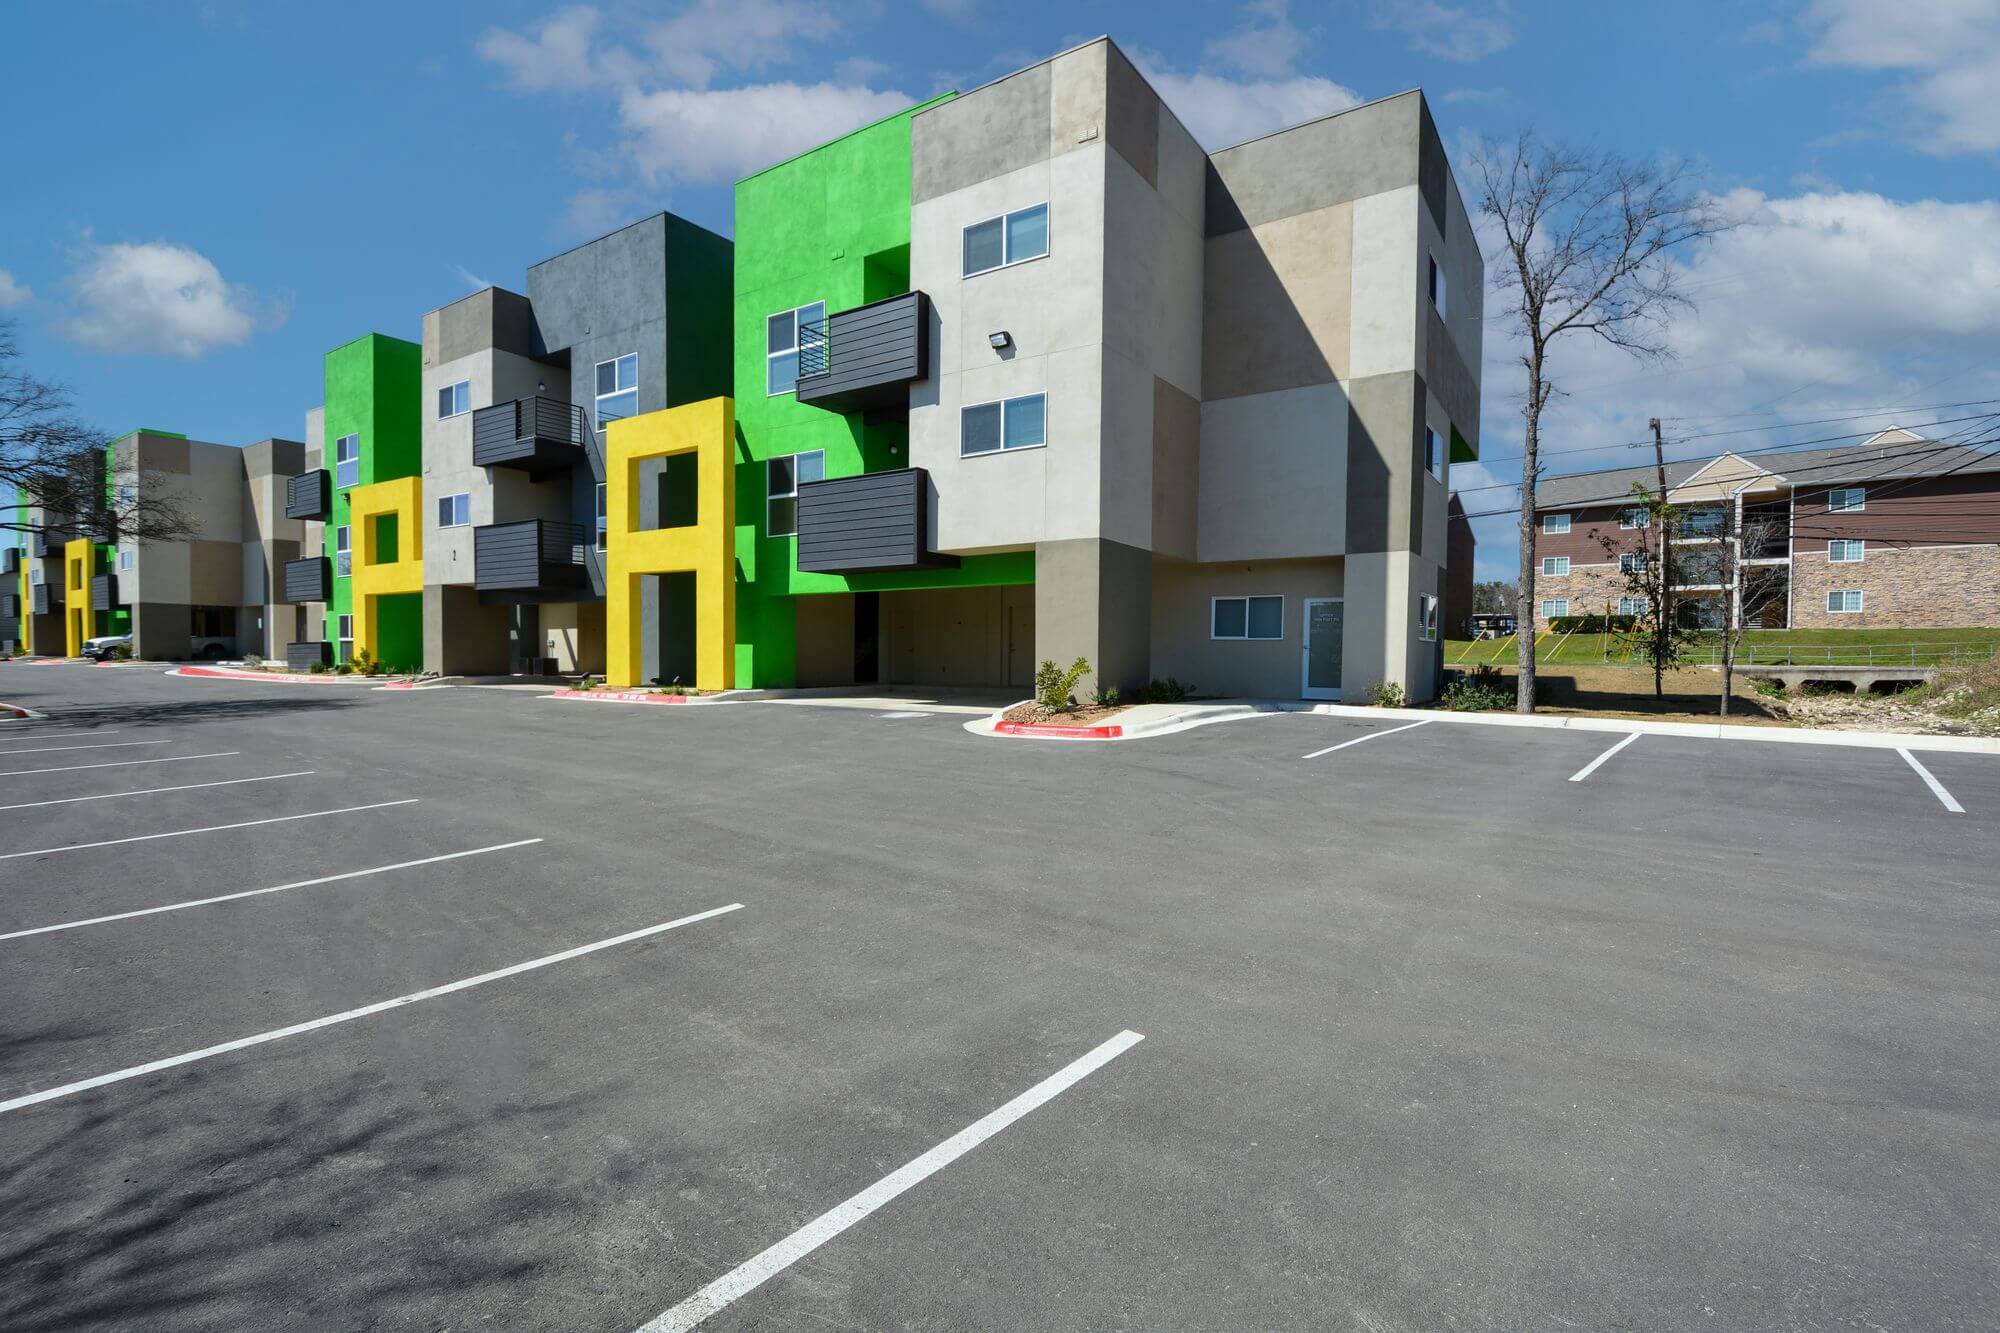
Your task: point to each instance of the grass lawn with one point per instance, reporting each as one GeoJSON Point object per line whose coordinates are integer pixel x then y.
{"type": "Point", "coordinates": [1853, 647]}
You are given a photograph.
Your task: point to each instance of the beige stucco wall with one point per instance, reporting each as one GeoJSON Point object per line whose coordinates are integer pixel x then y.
{"type": "Point", "coordinates": [958, 636]}
{"type": "Point", "coordinates": [1252, 668]}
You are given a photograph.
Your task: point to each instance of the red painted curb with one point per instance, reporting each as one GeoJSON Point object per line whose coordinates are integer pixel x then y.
{"type": "Point", "coordinates": [14, 711]}
{"type": "Point", "coordinates": [1104, 733]}
{"type": "Point", "coordinates": [619, 696]}
{"type": "Point", "coordinates": [282, 677]}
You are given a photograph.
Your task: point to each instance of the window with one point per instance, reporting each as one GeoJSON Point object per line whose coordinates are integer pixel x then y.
{"type": "Point", "coordinates": [1847, 500]}
{"type": "Point", "coordinates": [1633, 518]}
{"type": "Point", "coordinates": [1011, 423]}
{"type": "Point", "coordinates": [345, 637]}
{"type": "Point", "coordinates": [782, 479]}
{"type": "Point", "coordinates": [1631, 606]}
{"type": "Point", "coordinates": [1844, 601]}
{"type": "Point", "coordinates": [1246, 618]}
{"type": "Point", "coordinates": [1553, 608]}
{"type": "Point", "coordinates": [1631, 562]}
{"type": "Point", "coordinates": [1434, 453]}
{"type": "Point", "coordinates": [1555, 566]}
{"type": "Point", "coordinates": [1702, 522]}
{"type": "Point", "coordinates": [1846, 551]}
{"type": "Point", "coordinates": [603, 520]}
{"type": "Point", "coordinates": [454, 511]}
{"type": "Point", "coordinates": [126, 559]}
{"type": "Point", "coordinates": [781, 345]}
{"type": "Point", "coordinates": [1013, 239]}
{"type": "Point", "coordinates": [454, 399]}
{"type": "Point", "coordinates": [347, 461]}
{"type": "Point", "coordinates": [1427, 616]}
{"type": "Point", "coordinates": [1437, 286]}
{"type": "Point", "coordinates": [617, 388]}
{"type": "Point", "coordinates": [1554, 524]}
{"type": "Point", "coordinates": [343, 550]}
{"type": "Point", "coordinates": [127, 496]}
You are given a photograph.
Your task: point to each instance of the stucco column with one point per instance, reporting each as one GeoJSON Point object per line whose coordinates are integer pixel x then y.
{"type": "Point", "coordinates": [1094, 599]}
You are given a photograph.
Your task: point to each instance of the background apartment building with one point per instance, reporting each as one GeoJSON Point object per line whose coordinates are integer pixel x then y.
{"type": "Point", "coordinates": [1896, 531]}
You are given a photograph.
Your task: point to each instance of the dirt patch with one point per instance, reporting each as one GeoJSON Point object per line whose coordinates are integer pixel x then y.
{"type": "Point", "coordinates": [1689, 695]}
{"type": "Point", "coordinates": [1087, 716]}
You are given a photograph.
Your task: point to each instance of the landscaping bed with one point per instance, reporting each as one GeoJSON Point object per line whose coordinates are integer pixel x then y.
{"type": "Point", "coordinates": [1083, 715]}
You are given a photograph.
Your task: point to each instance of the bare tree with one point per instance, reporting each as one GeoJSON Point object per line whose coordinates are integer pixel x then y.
{"type": "Point", "coordinates": [1648, 574]}
{"type": "Point", "coordinates": [54, 464]}
{"type": "Point", "coordinates": [1493, 598]}
{"type": "Point", "coordinates": [1589, 237]}
{"type": "Point", "coordinates": [1749, 589]}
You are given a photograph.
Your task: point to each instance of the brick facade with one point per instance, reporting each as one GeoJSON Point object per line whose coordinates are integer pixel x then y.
{"type": "Point", "coordinates": [1591, 590]}
{"type": "Point", "coordinates": [1951, 587]}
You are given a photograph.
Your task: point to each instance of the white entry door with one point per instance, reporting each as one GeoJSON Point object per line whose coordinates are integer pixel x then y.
{"type": "Point", "coordinates": [1319, 667]}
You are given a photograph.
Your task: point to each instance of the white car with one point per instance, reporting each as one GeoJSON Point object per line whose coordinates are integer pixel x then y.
{"type": "Point", "coordinates": [100, 649]}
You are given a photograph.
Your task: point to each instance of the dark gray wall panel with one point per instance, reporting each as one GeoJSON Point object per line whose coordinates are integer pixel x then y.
{"type": "Point", "coordinates": [989, 132]}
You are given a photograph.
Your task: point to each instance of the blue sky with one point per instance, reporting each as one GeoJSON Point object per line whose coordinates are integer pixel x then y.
{"type": "Point", "coordinates": [203, 198]}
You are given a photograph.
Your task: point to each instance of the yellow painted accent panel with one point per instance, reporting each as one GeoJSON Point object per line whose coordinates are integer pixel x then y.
{"type": "Point", "coordinates": [77, 557]}
{"type": "Point", "coordinates": [705, 549]}
{"type": "Point", "coordinates": [374, 576]}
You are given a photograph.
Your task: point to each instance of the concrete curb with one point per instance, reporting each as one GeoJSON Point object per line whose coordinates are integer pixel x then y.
{"type": "Point", "coordinates": [995, 724]}
{"type": "Point", "coordinates": [269, 677]}
{"type": "Point", "coordinates": [631, 697]}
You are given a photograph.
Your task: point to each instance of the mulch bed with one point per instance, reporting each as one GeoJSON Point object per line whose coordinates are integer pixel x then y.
{"type": "Point", "coordinates": [1088, 715]}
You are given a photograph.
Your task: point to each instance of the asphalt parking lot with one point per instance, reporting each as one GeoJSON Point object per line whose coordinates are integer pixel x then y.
{"type": "Point", "coordinates": [1433, 1035]}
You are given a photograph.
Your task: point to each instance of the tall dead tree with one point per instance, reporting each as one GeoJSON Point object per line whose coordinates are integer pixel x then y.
{"type": "Point", "coordinates": [54, 464]}
{"type": "Point", "coordinates": [1749, 589]}
{"type": "Point", "coordinates": [1590, 238]}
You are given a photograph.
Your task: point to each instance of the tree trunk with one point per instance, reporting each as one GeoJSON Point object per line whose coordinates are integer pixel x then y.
{"type": "Point", "coordinates": [1524, 600]}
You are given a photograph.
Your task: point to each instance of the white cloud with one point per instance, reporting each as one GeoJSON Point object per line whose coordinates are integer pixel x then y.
{"type": "Point", "coordinates": [1947, 52]}
{"type": "Point", "coordinates": [1220, 111]}
{"type": "Point", "coordinates": [712, 35]}
{"type": "Point", "coordinates": [13, 292]}
{"type": "Point", "coordinates": [556, 57]}
{"type": "Point", "coordinates": [1267, 46]}
{"type": "Point", "coordinates": [1450, 32]}
{"type": "Point", "coordinates": [469, 278]}
{"type": "Point", "coordinates": [1830, 303]}
{"type": "Point", "coordinates": [158, 297]}
{"type": "Point", "coordinates": [696, 135]}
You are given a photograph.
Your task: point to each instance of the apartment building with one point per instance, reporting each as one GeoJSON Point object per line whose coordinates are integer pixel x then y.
{"type": "Point", "coordinates": [1897, 531]}
{"type": "Point", "coordinates": [38, 577]}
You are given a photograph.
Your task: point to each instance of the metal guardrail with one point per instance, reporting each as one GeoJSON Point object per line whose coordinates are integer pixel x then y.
{"type": "Point", "coordinates": [1842, 654]}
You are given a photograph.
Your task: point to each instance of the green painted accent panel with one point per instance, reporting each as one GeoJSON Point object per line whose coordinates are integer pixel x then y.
{"type": "Point", "coordinates": [831, 225]}
{"type": "Point", "coordinates": [148, 430]}
{"type": "Point", "coordinates": [399, 624]}
{"type": "Point", "coordinates": [374, 389]}
{"type": "Point", "coordinates": [1461, 448]}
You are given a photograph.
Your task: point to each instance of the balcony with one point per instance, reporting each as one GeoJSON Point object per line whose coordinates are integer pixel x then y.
{"type": "Point", "coordinates": [306, 655]}
{"type": "Point", "coordinates": [45, 598]}
{"type": "Point", "coordinates": [864, 359]}
{"type": "Point", "coordinates": [535, 560]}
{"type": "Point", "coordinates": [104, 595]}
{"type": "Point", "coordinates": [877, 521]}
{"type": "Point", "coordinates": [541, 436]}
{"type": "Point", "coordinates": [47, 544]}
{"type": "Point", "coordinates": [10, 562]}
{"type": "Point", "coordinates": [10, 606]}
{"type": "Point", "coordinates": [308, 580]}
{"type": "Point", "coordinates": [309, 495]}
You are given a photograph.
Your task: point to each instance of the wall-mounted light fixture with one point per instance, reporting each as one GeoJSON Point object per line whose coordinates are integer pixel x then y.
{"type": "Point", "coordinates": [999, 340]}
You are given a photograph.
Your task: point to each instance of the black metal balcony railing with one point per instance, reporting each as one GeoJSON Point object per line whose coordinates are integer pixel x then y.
{"type": "Point", "coordinates": [10, 562]}
{"type": "Point", "coordinates": [48, 543]}
{"type": "Point", "coordinates": [305, 655]}
{"type": "Point", "coordinates": [864, 359]}
{"type": "Point", "coordinates": [309, 495]}
{"type": "Point", "coordinates": [10, 606]}
{"type": "Point", "coordinates": [535, 558]}
{"type": "Point", "coordinates": [44, 598]}
{"type": "Point", "coordinates": [308, 580]}
{"type": "Point", "coordinates": [540, 436]}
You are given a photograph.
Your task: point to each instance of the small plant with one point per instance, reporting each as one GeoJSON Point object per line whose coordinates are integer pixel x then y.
{"type": "Point", "coordinates": [674, 686]}
{"type": "Point", "coordinates": [121, 652]}
{"type": "Point", "coordinates": [1168, 691]}
{"type": "Point", "coordinates": [1483, 691]}
{"type": "Point", "coordinates": [316, 669]}
{"type": "Point", "coordinates": [1055, 688]}
{"type": "Point", "coordinates": [1106, 696]}
{"type": "Point", "coordinates": [1770, 689]}
{"type": "Point", "coordinates": [366, 663]}
{"type": "Point", "coordinates": [1387, 694]}
{"type": "Point", "coordinates": [253, 661]}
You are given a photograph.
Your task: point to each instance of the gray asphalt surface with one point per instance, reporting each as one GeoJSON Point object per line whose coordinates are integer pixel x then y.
{"type": "Point", "coordinates": [1434, 1037]}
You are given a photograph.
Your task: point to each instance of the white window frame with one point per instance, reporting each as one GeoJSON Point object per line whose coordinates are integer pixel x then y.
{"type": "Point", "coordinates": [1434, 453]}
{"type": "Point", "coordinates": [603, 515]}
{"type": "Point", "coordinates": [597, 403]}
{"type": "Point", "coordinates": [341, 477]}
{"type": "Point", "coordinates": [1631, 562]}
{"type": "Point", "coordinates": [1555, 566]}
{"type": "Point", "coordinates": [1555, 608]}
{"type": "Point", "coordinates": [1007, 256]}
{"type": "Point", "coordinates": [1847, 500]}
{"type": "Point", "coordinates": [1246, 636]}
{"type": "Point", "coordinates": [770, 530]}
{"type": "Point", "coordinates": [1438, 284]}
{"type": "Point", "coordinates": [1842, 594]}
{"type": "Point", "coordinates": [1853, 551]}
{"type": "Point", "coordinates": [1006, 406]}
{"type": "Point", "coordinates": [1634, 518]}
{"type": "Point", "coordinates": [1631, 606]}
{"type": "Point", "coordinates": [451, 507]}
{"type": "Point", "coordinates": [343, 550]}
{"type": "Point", "coordinates": [1550, 524]}
{"type": "Point", "coordinates": [793, 351]}
{"type": "Point", "coordinates": [127, 558]}
{"type": "Point", "coordinates": [1427, 617]}
{"type": "Point", "coordinates": [343, 636]}
{"type": "Point", "coordinates": [454, 400]}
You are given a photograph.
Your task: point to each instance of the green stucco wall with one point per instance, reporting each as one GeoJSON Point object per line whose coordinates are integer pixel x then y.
{"type": "Point", "coordinates": [374, 389]}
{"type": "Point", "coordinates": [829, 225]}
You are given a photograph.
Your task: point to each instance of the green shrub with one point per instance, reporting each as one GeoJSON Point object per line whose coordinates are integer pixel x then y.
{"type": "Point", "coordinates": [1770, 689]}
{"type": "Point", "coordinates": [1106, 696]}
{"type": "Point", "coordinates": [1055, 688]}
{"type": "Point", "coordinates": [1484, 691]}
{"type": "Point", "coordinates": [1168, 691]}
{"type": "Point", "coordinates": [1592, 624]}
{"type": "Point", "coordinates": [1388, 694]}
{"type": "Point", "coordinates": [121, 652]}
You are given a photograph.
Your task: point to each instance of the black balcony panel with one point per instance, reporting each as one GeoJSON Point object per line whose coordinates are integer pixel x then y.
{"type": "Point", "coordinates": [309, 495]}
{"type": "Point", "coordinates": [308, 580]}
{"type": "Point", "coordinates": [48, 543]}
{"type": "Point", "coordinates": [104, 594]}
{"type": "Point", "coordinates": [543, 437]}
{"type": "Point", "coordinates": [864, 359]}
{"type": "Point", "coordinates": [45, 598]}
{"type": "Point", "coordinates": [306, 656]}
{"type": "Point", "coordinates": [10, 606]}
{"type": "Point", "coordinates": [10, 562]}
{"type": "Point", "coordinates": [530, 561]}
{"type": "Point", "coordinates": [877, 521]}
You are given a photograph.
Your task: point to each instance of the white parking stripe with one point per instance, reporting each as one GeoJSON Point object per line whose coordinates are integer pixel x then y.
{"type": "Point", "coordinates": [212, 828]}
{"type": "Point", "coordinates": [154, 791]}
{"type": "Point", "coordinates": [276, 1034]}
{"type": "Point", "coordinates": [1369, 737]}
{"type": "Point", "coordinates": [117, 763]}
{"type": "Point", "coordinates": [748, 1276]}
{"type": "Point", "coordinates": [1592, 766]}
{"type": "Point", "coordinates": [275, 888]}
{"type": "Point", "coordinates": [1937, 788]}
{"type": "Point", "coordinates": [52, 749]}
